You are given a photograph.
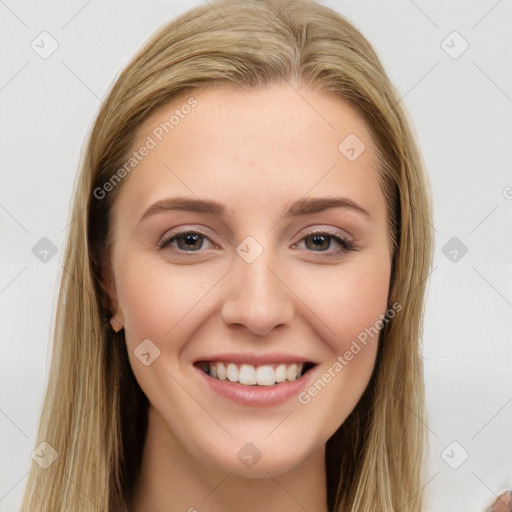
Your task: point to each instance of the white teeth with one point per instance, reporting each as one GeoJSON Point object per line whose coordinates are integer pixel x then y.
{"type": "Point", "coordinates": [232, 372]}
{"type": "Point", "coordinates": [280, 372]}
{"type": "Point", "coordinates": [291, 372]}
{"type": "Point", "coordinates": [265, 375]}
{"type": "Point", "coordinates": [246, 375]}
{"type": "Point", "coordinates": [249, 375]}
{"type": "Point", "coordinates": [221, 370]}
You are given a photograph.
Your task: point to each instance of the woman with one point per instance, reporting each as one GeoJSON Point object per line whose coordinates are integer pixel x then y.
{"type": "Point", "coordinates": [239, 320]}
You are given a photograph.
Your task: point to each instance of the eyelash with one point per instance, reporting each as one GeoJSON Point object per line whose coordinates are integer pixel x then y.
{"type": "Point", "coordinates": [346, 245]}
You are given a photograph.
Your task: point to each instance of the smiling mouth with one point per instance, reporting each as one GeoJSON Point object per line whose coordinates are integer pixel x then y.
{"type": "Point", "coordinates": [249, 375]}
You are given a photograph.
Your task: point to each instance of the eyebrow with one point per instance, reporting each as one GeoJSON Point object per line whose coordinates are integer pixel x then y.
{"type": "Point", "coordinates": [304, 206]}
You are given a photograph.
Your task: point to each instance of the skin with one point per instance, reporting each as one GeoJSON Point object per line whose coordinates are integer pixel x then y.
{"type": "Point", "coordinates": [255, 151]}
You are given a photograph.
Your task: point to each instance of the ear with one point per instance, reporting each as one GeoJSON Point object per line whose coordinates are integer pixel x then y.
{"type": "Point", "coordinates": [111, 303]}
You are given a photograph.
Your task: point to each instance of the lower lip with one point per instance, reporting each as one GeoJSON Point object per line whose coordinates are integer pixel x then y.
{"type": "Point", "coordinates": [256, 395]}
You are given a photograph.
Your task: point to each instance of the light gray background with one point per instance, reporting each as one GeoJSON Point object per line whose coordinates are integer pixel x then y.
{"type": "Point", "coordinates": [461, 109]}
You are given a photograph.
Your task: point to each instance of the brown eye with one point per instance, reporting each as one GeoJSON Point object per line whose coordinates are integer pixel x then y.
{"type": "Point", "coordinates": [187, 241]}
{"type": "Point", "coordinates": [322, 241]}
{"type": "Point", "coordinates": [319, 241]}
{"type": "Point", "coordinates": [190, 241]}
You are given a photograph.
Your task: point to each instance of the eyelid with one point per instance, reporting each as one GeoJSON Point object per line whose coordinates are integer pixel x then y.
{"type": "Point", "coordinates": [180, 230]}
{"type": "Point", "coordinates": [346, 241]}
{"type": "Point", "coordinates": [309, 231]}
{"type": "Point", "coordinates": [327, 229]}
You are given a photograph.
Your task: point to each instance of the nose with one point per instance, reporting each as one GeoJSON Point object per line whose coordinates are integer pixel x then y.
{"type": "Point", "coordinates": [258, 296]}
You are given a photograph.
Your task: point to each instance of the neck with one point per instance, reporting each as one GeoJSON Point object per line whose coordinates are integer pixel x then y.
{"type": "Point", "coordinates": [171, 480]}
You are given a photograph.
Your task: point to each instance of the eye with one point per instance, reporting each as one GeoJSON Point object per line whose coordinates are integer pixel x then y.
{"type": "Point", "coordinates": [316, 241]}
{"type": "Point", "coordinates": [187, 240]}
{"type": "Point", "coordinates": [321, 241]}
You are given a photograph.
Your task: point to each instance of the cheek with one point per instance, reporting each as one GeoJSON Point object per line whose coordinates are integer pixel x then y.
{"type": "Point", "coordinates": [156, 296]}
{"type": "Point", "coordinates": [352, 304]}
{"type": "Point", "coordinates": [352, 301]}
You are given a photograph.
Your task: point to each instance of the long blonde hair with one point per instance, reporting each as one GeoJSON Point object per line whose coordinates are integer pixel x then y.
{"type": "Point", "coordinates": [94, 413]}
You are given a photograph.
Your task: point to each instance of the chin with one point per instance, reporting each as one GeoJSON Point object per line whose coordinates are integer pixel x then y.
{"type": "Point", "coordinates": [258, 459]}
{"type": "Point", "coordinates": [268, 465]}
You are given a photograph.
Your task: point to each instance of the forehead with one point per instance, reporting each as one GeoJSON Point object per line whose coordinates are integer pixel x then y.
{"type": "Point", "coordinates": [275, 142]}
{"type": "Point", "coordinates": [221, 108]}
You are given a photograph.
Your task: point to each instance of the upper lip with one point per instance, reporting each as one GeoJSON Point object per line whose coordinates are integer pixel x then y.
{"type": "Point", "coordinates": [256, 359]}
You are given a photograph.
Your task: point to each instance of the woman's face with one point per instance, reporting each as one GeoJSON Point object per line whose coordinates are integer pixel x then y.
{"type": "Point", "coordinates": [256, 285]}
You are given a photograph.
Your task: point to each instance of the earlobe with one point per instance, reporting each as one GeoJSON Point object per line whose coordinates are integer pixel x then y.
{"type": "Point", "coordinates": [117, 322]}
{"type": "Point", "coordinates": [109, 289]}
